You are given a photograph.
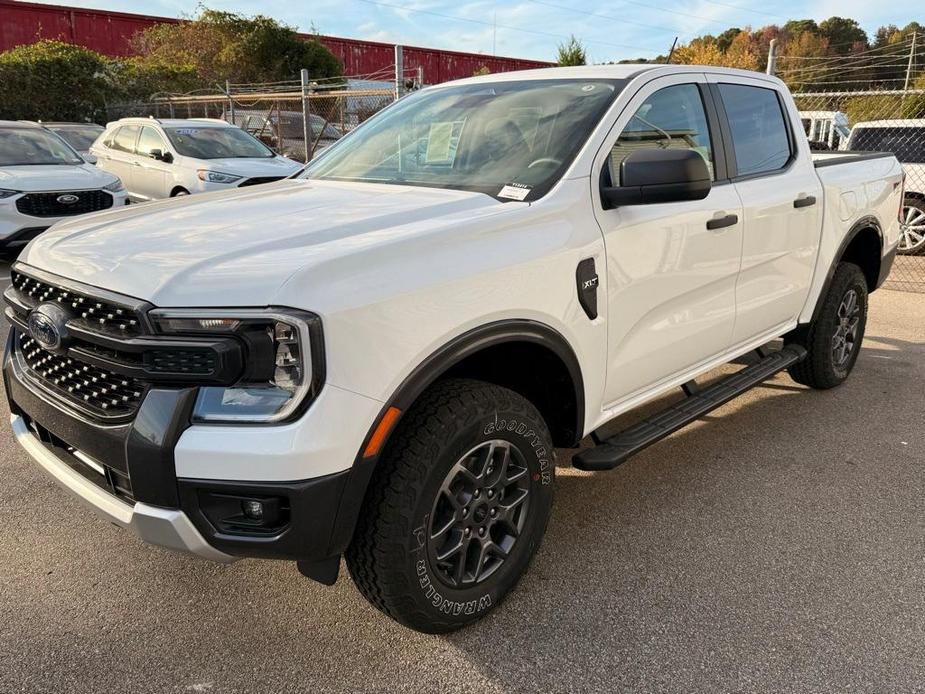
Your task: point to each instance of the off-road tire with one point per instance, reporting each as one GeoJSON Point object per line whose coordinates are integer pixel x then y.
{"type": "Point", "coordinates": [820, 369]}
{"type": "Point", "coordinates": [391, 559]}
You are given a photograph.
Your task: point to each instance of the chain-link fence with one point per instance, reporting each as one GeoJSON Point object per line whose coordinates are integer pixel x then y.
{"type": "Point", "coordinates": [295, 125]}
{"type": "Point", "coordinates": [889, 121]}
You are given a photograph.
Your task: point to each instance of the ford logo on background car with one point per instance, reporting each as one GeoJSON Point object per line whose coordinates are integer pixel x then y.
{"type": "Point", "coordinates": [47, 326]}
{"type": "Point", "coordinates": [67, 199]}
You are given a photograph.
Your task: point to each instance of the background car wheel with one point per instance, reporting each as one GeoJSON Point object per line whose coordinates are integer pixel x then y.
{"type": "Point", "coordinates": [912, 227]}
{"type": "Point", "coordinates": [178, 192]}
{"type": "Point", "coordinates": [833, 339]}
{"type": "Point", "coordinates": [457, 506]}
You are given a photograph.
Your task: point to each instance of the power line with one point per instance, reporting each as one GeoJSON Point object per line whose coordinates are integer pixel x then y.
{"type": "Point", "coordinates": [501, 26]}
{"type": "Point", "coordinates": [587, 13]}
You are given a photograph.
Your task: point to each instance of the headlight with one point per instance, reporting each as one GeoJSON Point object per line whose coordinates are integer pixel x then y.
{"type": "Point", "coordinates": [7, 193]}
{"type": "Point", "coordinates": [217, 176]}
{"type": "Point", "coordinates": [283, 354]}
{"type": "Point", "coordinates": [115, 187]}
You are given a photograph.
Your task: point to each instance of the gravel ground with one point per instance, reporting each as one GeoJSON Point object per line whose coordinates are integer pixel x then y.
{"type": "Point", "coordinates": [777, 545]}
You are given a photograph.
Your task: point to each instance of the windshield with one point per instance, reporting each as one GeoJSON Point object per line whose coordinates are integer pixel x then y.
{"type": "Point", "coordinates": [78, 137]}
{"type": "Point", "coordinates": [907, 143]}
{"type": "Point", "coordinates": [216, 143]}
{"type": "Point", "coordinates": [512, 140]}
{"type": "Point", "coordinates": [24, 146]}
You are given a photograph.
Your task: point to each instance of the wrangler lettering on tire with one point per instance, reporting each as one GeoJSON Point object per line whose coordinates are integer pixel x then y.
{"type": "Point", "coordinates": [457, 508]}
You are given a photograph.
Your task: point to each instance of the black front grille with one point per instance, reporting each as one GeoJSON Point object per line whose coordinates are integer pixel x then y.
{"type": "Point", "coordinates": [182, 361]}
{"type": "Point", "coordinates": [97, 314]}
{"type": "Point", "coordinates": [97, 392]}
{"type": "Point", "coordinates": [60, 204]}
{"type": "Point", "coordinates": [257, 181]}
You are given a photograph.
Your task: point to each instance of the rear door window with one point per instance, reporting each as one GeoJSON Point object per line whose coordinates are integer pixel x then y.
{"type": "Point", "coordinates": [124, 141]}
{"type": "Point", "coordinates": [759, 128]}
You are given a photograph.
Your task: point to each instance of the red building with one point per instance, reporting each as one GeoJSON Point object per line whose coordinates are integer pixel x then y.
{"type": "Point", "coordinates": [109, 33]}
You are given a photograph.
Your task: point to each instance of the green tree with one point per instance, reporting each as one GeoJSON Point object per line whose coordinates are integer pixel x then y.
{"type": "Point", "coordinates": [844, 35]}
{"type": "Point", "coordinates": [572, 52]}
{"type": "Point", "coordinates": [724, 40]}
{"type": "Point", "coordinates": [795, 27]}
{"type": "Point", "coordinates": [229, 46]}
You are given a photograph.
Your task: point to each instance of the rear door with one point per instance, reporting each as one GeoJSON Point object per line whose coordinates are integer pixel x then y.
{"type": "Point", "coordinates": [151, 175]}
{"type": "Point", "coordinates": [781, 195]}
{"type": "Point", "coordinates": [671, 267]}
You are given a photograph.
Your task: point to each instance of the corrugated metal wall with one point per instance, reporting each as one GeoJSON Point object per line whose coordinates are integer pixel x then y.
{"type": "Point", "coordinates": [109, 33]}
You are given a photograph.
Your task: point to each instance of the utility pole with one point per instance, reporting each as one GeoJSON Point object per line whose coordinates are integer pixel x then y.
{"type": "Point", "coordinates": [399, 72]}
{"type": "Point", "coordinates": [772, 57]}
{"type": "Point", "coordinates": [306, 114]}
{"type": "Point", "coordinates": [911, 61]}
{"type": "Point", "coordinates": [230, 101]}
{"type": "Point", "coordinates": [671, 51]}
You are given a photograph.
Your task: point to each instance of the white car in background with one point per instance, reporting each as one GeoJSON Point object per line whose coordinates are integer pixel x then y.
{"type": "Point", "coordinates": [44, 180]}
{"type": "Point", "coordinates": [906, 139]}
{"type": "Point", "coordinates": [161, 158]}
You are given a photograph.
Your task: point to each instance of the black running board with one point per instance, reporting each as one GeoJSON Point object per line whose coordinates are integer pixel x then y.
{"type": "Point", "coordinates": [611, 452]}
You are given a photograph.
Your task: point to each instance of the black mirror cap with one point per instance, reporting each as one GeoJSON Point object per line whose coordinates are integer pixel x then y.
{"type": "Point", "coordinates": [165, 157]}
{"type": "Point", "coordinates": [659, 175]}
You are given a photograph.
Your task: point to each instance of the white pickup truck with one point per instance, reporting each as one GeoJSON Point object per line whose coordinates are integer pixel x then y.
{"type": "Point", "coordinates": [378, 358]}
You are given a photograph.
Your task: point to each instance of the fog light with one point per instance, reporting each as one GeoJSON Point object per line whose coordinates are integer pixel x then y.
{"type": "Point", "coordinates": [252, 510]}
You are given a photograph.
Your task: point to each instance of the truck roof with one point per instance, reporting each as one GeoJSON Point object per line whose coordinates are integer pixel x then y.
{"type": "Point", "coordinates": [622, 71]}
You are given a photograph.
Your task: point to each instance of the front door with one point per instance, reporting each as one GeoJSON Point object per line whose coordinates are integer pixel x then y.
{"type": "Point", "coordinates": [151, 175]}
{"type": "Point", "coordinates": [671, 280]}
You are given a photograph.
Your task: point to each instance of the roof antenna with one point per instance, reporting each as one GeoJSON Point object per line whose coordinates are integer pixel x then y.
{"type": "Point", "coordinates": [671, 52]}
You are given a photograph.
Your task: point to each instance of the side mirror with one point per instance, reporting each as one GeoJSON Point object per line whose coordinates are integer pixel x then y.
{"type": "Point", "coordinates": [165, 157]}
{"type": "Point", "coordinates": [659, 175]}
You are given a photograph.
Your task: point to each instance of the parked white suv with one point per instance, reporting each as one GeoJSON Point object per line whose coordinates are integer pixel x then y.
{"type": "Point", "coordinates": [379, 356]}
{"type": "Point", "coordinates": [905, 139]}
{"type": "Point", "coordinates": [43, 180]}
{"type": "Point", "coordinates": [157, 158]}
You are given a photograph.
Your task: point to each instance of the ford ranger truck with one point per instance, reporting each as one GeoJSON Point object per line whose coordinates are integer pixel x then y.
{"type": "Point", "coordinates": [377, 359]}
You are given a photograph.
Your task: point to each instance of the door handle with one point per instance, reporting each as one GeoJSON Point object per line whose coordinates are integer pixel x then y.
{"type": "Point", "coordinates": [722, 222]}
{"type": "Point", "coordinates": [807, 201]}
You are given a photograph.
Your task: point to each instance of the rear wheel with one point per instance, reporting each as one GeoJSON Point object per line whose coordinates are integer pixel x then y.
{"type": "Point", "coordinates": [833, 339]}
{"type": "Point", "coordinates": [912, 227]}
{"type": "Point", "coordinates": [457, 507]}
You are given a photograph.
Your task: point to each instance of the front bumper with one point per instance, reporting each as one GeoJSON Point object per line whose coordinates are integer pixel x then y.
{"type": "Point", "coordinates": [136, 485]}
{"type": "Point", "coordinates": [166, 527]}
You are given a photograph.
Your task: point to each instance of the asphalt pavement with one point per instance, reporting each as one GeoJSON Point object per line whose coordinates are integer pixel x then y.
{"type": "Point", "coordinates": [778, 545]}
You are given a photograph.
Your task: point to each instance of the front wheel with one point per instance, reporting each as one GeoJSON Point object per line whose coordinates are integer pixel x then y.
{"type": "Point", "coordinates": [457, 507]}
{"type": "Point", "coordinates": [833, 339]}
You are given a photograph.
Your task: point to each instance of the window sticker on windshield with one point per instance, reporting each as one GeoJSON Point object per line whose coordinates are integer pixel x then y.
{"type": "Point", "coordinates": [514, 191]}
{"type": "Point", "coordinates": [185, 131]}
{"type": "Point", "coordinates": [442, 142]}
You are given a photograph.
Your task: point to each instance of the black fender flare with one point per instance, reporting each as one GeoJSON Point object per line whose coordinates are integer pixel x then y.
{"type": "Point", "coordinates": [868, 222]}
{"type": "Point", "coordinates": [428, 371]}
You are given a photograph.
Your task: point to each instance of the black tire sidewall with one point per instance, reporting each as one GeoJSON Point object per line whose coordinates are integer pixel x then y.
{"type": "Point", "coordinates": [524, 431]}
{"type": "Point", "coordinates": [850, 277]}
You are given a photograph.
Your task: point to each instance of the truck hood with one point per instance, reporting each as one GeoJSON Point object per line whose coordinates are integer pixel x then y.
{"type": "Point", "coordinates": [250, 167]}
{"type": "Point", "coordinates": [34, 178]}
{"type": "Point", "coordinates": [237, 248]}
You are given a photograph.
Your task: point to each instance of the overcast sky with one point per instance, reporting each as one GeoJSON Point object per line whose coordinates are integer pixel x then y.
{"type": "Point", "coordinates": [532, 28]}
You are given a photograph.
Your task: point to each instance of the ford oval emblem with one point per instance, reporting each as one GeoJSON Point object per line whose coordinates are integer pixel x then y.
{"type": "Point", "coordinates": [48, 327]}
{"type": "Point", "coordinates": [67, 199]}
